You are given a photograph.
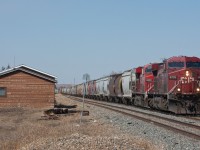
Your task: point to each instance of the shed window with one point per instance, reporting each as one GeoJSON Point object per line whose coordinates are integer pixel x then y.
{"type": "Point", "coordinates": [2, 91]}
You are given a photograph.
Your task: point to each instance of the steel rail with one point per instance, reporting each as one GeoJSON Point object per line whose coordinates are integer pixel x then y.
{"type": "Point", "coordinates": [168, 127]}
{"type": "Point", "coordinates": [158, 117]}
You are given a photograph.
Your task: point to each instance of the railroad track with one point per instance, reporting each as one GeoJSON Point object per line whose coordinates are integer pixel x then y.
{"type": "Point", "coordinates": [193, 118]}
{"type": "Point", "coordinates": [148, 118]}
{"type": "Point", "coordinates": [152, 115]}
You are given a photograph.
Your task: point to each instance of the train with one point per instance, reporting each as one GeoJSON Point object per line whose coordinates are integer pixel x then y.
{"type": "Point", "coordinates": [172, 85]}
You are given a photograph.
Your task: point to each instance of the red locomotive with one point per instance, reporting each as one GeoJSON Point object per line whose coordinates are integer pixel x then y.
{"type": "Point", "coordinates": [176, 85]}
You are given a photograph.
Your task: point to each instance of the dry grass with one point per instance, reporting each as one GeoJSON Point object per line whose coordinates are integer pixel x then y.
{"type": "Point", "coordinates": [24, 128]}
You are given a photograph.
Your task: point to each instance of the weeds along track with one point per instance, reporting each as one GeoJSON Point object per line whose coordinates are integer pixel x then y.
{"type": "Point", "coordinates": [181, 127]}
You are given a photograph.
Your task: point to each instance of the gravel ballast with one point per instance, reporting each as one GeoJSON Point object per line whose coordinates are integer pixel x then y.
{"type": "Point", "coordinates": [150, 132]}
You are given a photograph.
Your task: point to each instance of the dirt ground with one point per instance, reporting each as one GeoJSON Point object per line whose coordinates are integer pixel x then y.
{"type": "Point", "coordinates": [24, 128]}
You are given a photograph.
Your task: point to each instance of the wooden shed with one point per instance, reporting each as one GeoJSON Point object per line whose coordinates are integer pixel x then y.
{"type": "Point", "coordinates": [24, 86]}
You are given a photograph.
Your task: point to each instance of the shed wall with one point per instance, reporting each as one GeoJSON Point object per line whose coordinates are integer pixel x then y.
{"type": "Point", "coordinates": [27, 90]}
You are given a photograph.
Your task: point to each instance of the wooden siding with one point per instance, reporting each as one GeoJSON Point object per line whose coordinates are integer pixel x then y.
{"type": "Point", "coordinates": [27, 90]}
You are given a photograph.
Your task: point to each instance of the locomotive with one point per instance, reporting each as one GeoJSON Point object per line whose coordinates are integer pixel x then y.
{"type": "Point", "coordinates": [172, 85]}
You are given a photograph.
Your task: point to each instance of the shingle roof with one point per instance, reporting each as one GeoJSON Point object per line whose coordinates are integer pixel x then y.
{"type": "Point", "coordinates": [29, 70]}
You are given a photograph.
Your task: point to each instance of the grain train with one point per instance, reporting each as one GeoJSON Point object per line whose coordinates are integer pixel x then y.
{"type": "Point", "coordinates": [172, 85]}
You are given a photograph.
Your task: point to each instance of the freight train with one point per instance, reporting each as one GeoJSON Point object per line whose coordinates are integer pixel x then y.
{"type": "Point", "coordinates": [172, 85]}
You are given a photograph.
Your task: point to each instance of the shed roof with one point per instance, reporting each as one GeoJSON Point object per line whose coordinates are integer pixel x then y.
{"type": "Point", "coordinates": [31, 71]}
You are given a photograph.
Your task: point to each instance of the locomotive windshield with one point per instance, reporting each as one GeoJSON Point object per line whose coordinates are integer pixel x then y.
{"type": "Point", "coordinates": [147, 70]}
{"type": "Point", "coordinates": [176, 64]}
{"type": "Point", "coordinates": [193, 64]}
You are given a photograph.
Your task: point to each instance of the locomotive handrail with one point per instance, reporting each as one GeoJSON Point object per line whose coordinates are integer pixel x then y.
{"type": "Point", "coordinates": [173, 88]}
{"type": "Point", "coordinates": [150, 88]}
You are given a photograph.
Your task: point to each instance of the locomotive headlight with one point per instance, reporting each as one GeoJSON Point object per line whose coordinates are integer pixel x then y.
{"type": "Point", "coordinates": [178, 89]}
{"type": "Point", "coordinates": [187, 73]}
{"type": "Point", "coordinates": [198, 89]}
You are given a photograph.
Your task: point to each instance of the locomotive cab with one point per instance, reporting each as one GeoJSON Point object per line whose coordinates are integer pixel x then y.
{"type": "Point", "coordinates": [187, 76]}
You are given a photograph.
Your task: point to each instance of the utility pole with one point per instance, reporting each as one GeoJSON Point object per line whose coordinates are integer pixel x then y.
{"type": "Point", "coordinates": [86, 77]}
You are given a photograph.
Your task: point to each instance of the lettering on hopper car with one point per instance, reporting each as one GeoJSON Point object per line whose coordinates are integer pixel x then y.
{"type": "Point", "coordinates": [186, 80]}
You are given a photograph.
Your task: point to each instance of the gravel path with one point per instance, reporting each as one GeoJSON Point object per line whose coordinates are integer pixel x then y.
{"type": "Point", "coordinates": [85, 142]}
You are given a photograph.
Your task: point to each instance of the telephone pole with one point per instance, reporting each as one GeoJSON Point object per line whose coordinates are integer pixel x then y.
{"type": "Point", "coordinates": [86, 77]}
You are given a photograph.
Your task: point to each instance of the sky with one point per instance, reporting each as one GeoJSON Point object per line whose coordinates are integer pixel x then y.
{"type": "Point", "coordinates": [68, 38]}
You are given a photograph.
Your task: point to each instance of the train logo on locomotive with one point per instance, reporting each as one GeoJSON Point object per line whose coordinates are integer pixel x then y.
{"type": "Point", "coordinates": [186, 80]}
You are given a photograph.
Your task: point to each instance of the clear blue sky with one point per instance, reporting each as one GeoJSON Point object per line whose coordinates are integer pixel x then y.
{"type": "Point", "coordinates": [68, 38]}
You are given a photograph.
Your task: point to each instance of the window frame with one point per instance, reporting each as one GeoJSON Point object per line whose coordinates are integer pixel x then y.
{"type": "Point", "coordinates": [188, 65]}
{"type": "Point", "coordinates": [3, 88]}
{"type": "Point", "coordinates": [175, 64]}
{"type": "Point", "coordinates": [148, 69]}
